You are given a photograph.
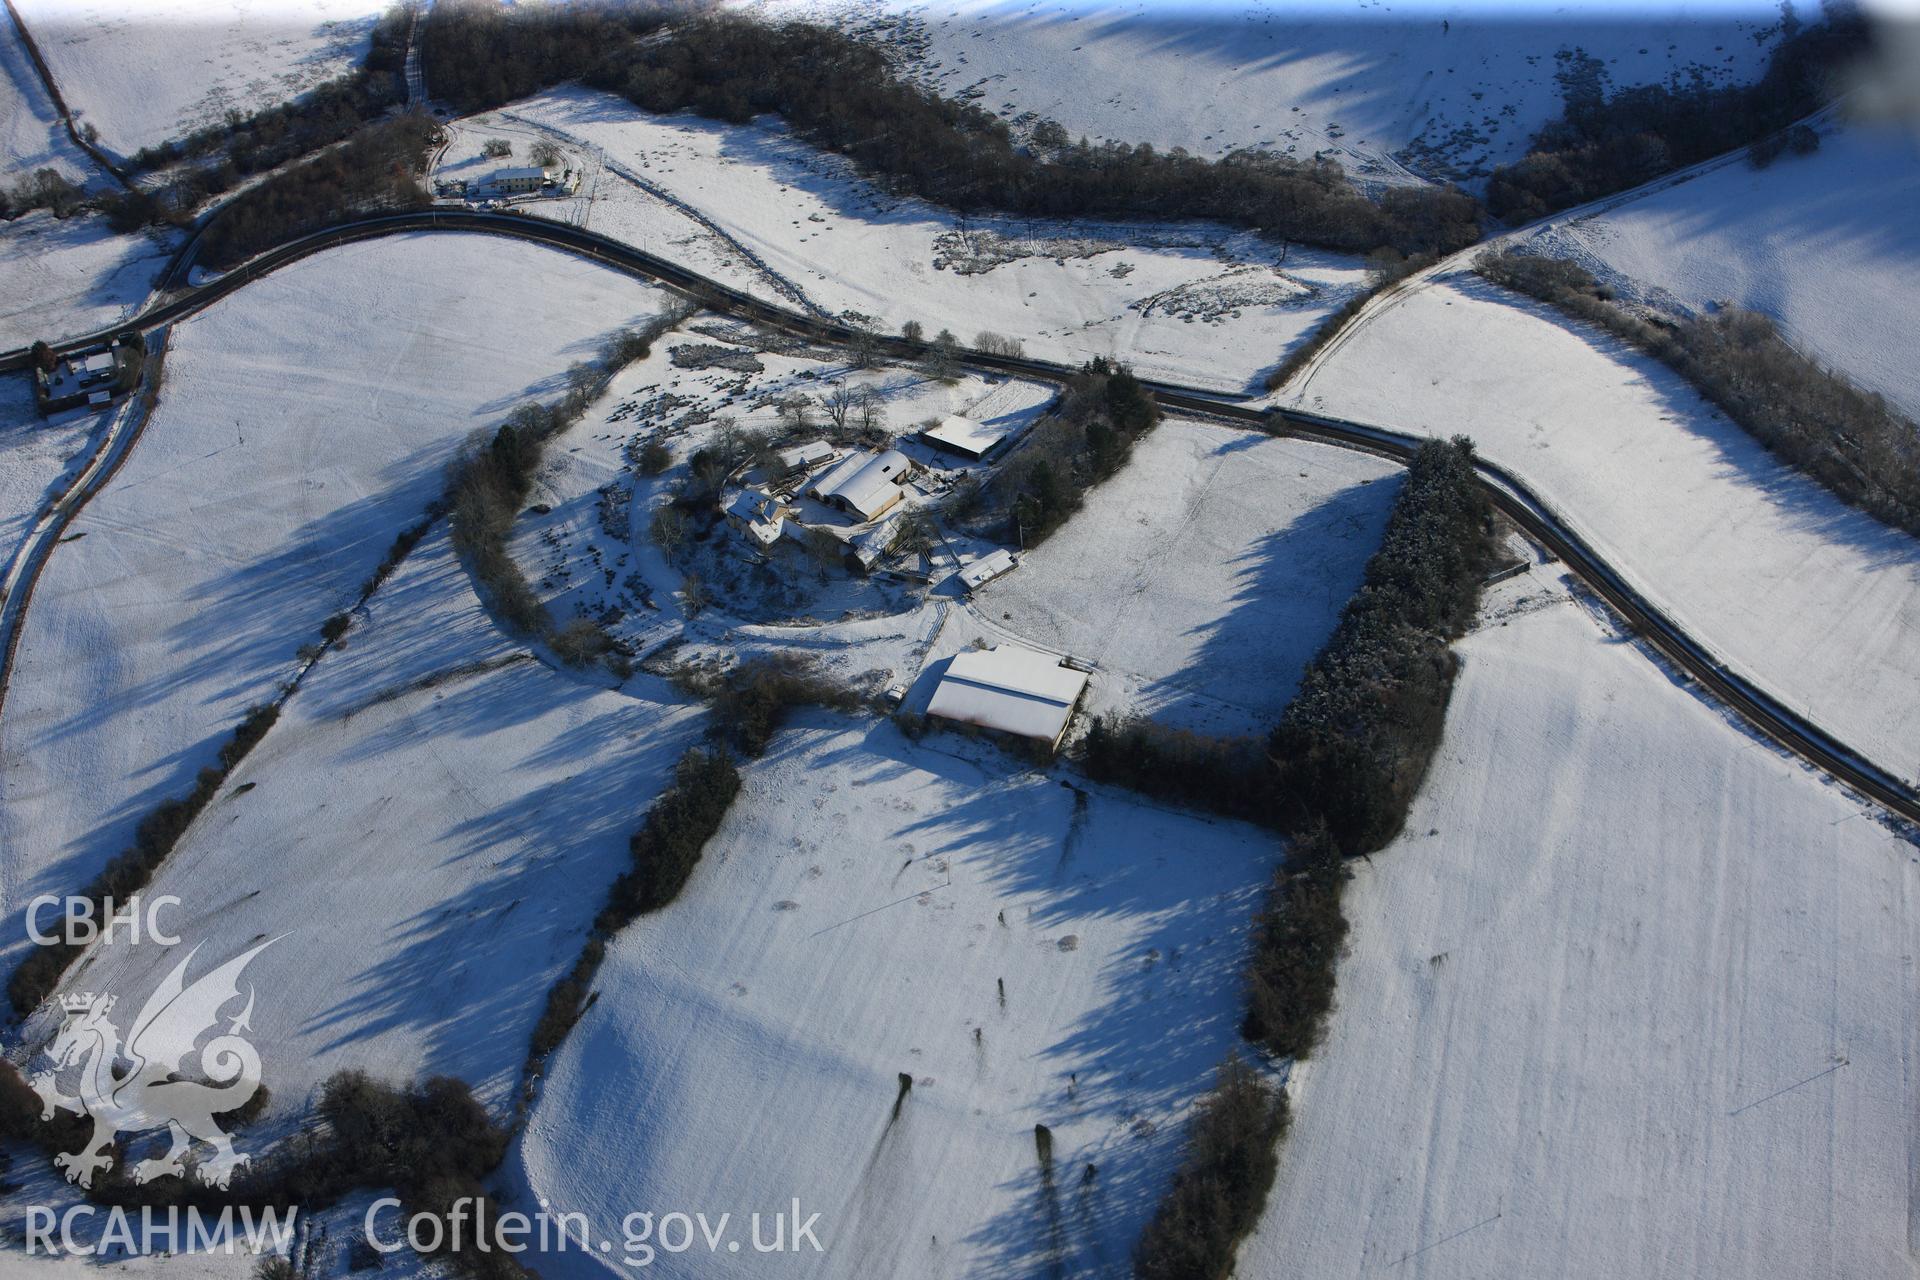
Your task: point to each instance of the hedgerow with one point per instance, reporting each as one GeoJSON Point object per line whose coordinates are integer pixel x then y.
{"type": "Point", "coordinates": [1849, 440]}
{"type": "Point", "coordinates": [842, 94]}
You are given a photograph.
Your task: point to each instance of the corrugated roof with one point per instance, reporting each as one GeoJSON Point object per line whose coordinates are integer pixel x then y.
{"type": "Point", "coordinates": [806, 455]}
{"type": "Point", "coordinates": [867, 484]}
{"type": "Point", "coordinates": [987, 568]}
{"type": "Point", "coordinates": [1010, 689]}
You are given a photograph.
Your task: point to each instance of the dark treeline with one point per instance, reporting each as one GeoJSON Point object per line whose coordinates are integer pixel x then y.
{"type": "Point", "coordinates": [664, 852]}
{"type": "Point", "coordinates": [490, 479]}
{"type": "Point", "coordinates": [1087, 438]}
{"type": "Point", "coordinates": [1849, 440]}
{"type": "Point", "coordinates": [319, 118]}
{"type": "Point", "coordinates": [1338, 773]}
{"type": "Point", "coordinates": [1602, 144]}
{"type": "Point", "coordinates": [431, 1142]}
{"type": "Point", "coordinates": [1222, 1182]}
{"type": "Point", "coordinates": [1355, 741]}
{"type": "Point", "coordinates": [753, 699]}
{"type": "Point", "coordinates": [750, 702]}
{"type": "Point", "coordinates": [378, 169]}
{"type": "Point", "coordinates": [841, 94]}
{"type": "Point", "coordinates": [482, 54]}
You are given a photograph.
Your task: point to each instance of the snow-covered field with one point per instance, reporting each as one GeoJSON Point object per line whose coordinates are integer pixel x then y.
{"type": "Point", "coordinates": [1815, 601]}
{"type": "Point", "coordinates": [63, 277]}
{"type": "Point", "coordinates": [147, 73]}
{"type": "Point", "coordinates": [427, 832]}
{"type": "Point", "coordinates": [1028, 952]}
{"type": "Point", "coordinates": [1202, 578]}
{"type": "Point", "coordinates": [35, 457]}
{"type": "Point", "coordinates": [31, 135]}
{"type": "Point", "coordinates": [58, 277]}
{"type": "Point", "coordinates": [1446, 89]}
{"type": "Point", "coordinates": [303, 422]}
{"type": "Point", "coordinates": [1633, 997]}
{"type": "Point", "coordinates": [1195, 303]}
{"type": "Point", "coordinates": [1826, 244]}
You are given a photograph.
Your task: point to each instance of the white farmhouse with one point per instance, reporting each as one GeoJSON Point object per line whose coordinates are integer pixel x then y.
{"type": "Point", "coordinates": [757, 516]}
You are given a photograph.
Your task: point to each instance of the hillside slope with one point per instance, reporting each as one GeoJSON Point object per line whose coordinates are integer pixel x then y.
{"type": "Point", "coordinates": [1633, 997]}
{"type": "Point", "coordinates": [1826, 244]}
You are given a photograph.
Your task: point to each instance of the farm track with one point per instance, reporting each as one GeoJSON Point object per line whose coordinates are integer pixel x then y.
{"type": "Point", "coordinates": [23, 572]}
{"type": "Point", "coordinates": [1511, 496]}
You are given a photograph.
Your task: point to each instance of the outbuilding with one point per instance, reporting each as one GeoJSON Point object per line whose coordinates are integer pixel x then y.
{"type": "Point", "coordinates": [864, 485]}
{"type": "Point", "coordinates": [964, 436]}
{"type": "Point", "coordinates": [1012, 690]}
{"type": "Point", "coordinates": [805, 457]}
{"type": "Point", "coordinates": [986, 569]}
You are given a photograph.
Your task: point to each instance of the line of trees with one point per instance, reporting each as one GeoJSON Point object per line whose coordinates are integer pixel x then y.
{"type": "Point", "coordinates": [1217, 1192]}
{"type": "Point", "coordinates": [490, 480]}
{"type": "Point", "coordinates": [379, 168]}
{"type": "Point", "coordinates": [1850, 441]}
{"type": "Point", "coordinates": [841, 94]}
{"type": "Point", "coordinates": [1354, 744]}
{"type": "Point", "coordinates": [663, 852]}
{"type": "Point", "coordinates": [432, 1142]}
{"type": "Point", "coordinates": [1087, 437]}
{"type": "Point", "coordinates": [130, 870]}
{"type": "Point", "coordinates": [223, 154]}
{"type": "Point", "coordinates": [1338, 774]}
{"type": "Point", "coordinates": [1602, 144]}
{"type": "Point", "coordinates": [1386, 268]}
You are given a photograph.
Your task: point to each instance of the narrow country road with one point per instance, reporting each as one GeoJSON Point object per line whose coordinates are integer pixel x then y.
{"type": "Point", "coordinates": [1766, 713]}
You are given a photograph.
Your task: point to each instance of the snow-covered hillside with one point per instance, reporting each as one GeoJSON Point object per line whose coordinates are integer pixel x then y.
{"type": "Point", "coordinates": [1026, 950]}
{"type": "Point", "coordinates": [31, 135]}
{"type": "Point", "coordinates": [1827, 244]}
{"type": "Point", "coordinates": [146, 73]}
{"type": "Point", "coordinates": [1201, 578]}
{"type": "Point", "coordinates": [1814, 600]}
{"type": "Point", "coordinates": [1631, 998]}
{"type": "Point", "coordinates": [1449, 90]}
{"type": "Point", "coordinates": [303, 422]}
{"type": "Point", "coordinates": [427, 832]}
{"type": "Point", "coordinates": [1196, 303]}
{"type": "Point", "coordinates": [60, 277]}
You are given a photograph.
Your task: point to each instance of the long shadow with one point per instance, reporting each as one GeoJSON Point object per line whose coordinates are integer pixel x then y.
{"type": "Point", "coordinates": [245, 624]}
{"type": "Point", "coordinates": [1738, 456]}
{"type": "Point", "coordinates": [1069, 855]}
{"type": "Point", "coordinates": [536, 782]}
{"type": "Point", "coordinates": [1289, 588]}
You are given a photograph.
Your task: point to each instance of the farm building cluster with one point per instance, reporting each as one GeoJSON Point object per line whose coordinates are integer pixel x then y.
{"type": "Point", "coordinates": [89, 378]}
{"type": "Point", "coordinates": [860, 497]}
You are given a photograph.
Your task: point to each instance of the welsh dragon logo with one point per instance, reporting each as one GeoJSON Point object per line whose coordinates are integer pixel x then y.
{"type": "Point", "coordinates": [139, 1087]}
